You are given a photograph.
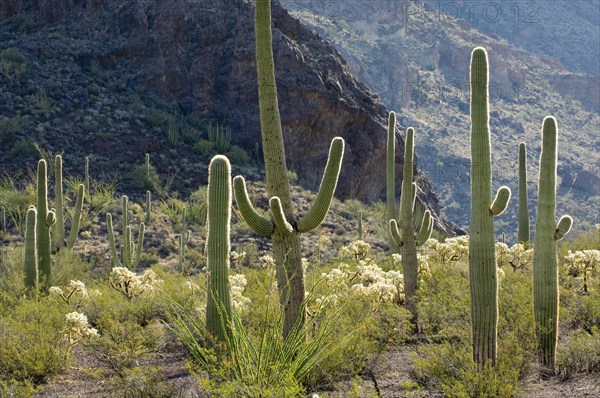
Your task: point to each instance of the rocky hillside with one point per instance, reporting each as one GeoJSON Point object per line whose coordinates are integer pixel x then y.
{"type": "Point", "coordinates": [416, 57]}
{"type": "Point", "coordinates": [108, 79]}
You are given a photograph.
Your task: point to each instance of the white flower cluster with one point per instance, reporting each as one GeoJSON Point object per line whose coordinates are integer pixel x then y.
{"type": "Point", "coordinates": [132, 285]}
{"type": "Point", "coordinates": [357, 250]}
{"type": "Point", "coordinates": [77, 327]}
{"type": "Point", "coordinates": [517, 256]}
{"type": "Point", "coordinates": [453, 249]}
{"type": "Point", "coordinates": [238, 285]}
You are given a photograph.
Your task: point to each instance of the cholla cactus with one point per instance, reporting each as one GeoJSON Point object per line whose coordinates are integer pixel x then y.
{"type": "Point", "coordinates": [517, 256]}
{"type": "Point", "coordinates": [238, 284]}
{"type": "Point", "coordinates": [77, 329]}
{"type": "Point", "coordinates": [582, 264]}
{"type": "Point", "coordinates": [357, 250]}
{"type": "Point", "coordinates": [452, 250]}
{"type": "Point", "coordinates": [76, 293]}
{"type": "Point", "coordinates": [131, 285]}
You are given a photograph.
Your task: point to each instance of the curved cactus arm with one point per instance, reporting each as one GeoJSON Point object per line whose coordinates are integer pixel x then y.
{"type": "Point", "coordinates": [75, 221]}
{"type": "Point", "coordinates": [563, 227]}
{"type": "Point", "coordinates": [111, 241]}
{"type": "Point", "coordinates": [315, 216]}
{"type": "Point", "coordinates": [140, 244]}
{"type": "Point", "coordinates": [30, 263]}
{"type": "Point", "coordinates": [523, 197]}
{"type": "Point", "coordinates": [281, 223]}
{"type": "Point", "coordinates": [395, 232]}
{"type": "Point", "coordinates": [425, 230]}
{"type": "Point", "coordinates": [50, 218]}
{"type": "Point", "coordinates": [255, 221]}
{"type": "Point", "coordinates": [500, 202]}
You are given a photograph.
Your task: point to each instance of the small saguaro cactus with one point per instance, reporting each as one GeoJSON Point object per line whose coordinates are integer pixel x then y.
{"type": "Point", "coordinates": [405, 237]}
{"type": "Point", "coordinates": [183, 241]}
{"type": "Point", "coordinates": [86, 175]}
{"type": "Point", "coordinates": [523, 201]}
{"type": "Point", "coordinates": [547, 233]}
{"type": "Point", "coordinates": [3, 222]}
{"type": "Point", "coordinates": [218, 303]}
{"type": "Point", "coordinates": [44, 221]}
{"type": "Point", "coordinates": [360, 225]}
{"type": "Point", "coordinates": [482, 253]}
{"type": "Point", "coordinates": [30, 263]}
{"type": "Point", "coordinates": [58, 229]}
{"type": "Point", "coordinates": [283, 228]}
{"type": "Point", "coordinates": [130, 252]}
{"type": "Point", "coordinates": [148, 207]}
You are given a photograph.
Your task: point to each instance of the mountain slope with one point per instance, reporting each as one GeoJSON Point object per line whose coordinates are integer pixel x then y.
{"type": "Point", "coordinates": [94, 63]}
{"type": "Point", "coordinates": [418, 63]}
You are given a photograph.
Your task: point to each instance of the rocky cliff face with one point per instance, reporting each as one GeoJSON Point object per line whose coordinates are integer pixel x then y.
{"type": "Point", "coordinates": [200, 56]}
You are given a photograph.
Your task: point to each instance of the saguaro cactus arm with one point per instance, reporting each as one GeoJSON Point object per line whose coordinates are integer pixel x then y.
{"type": "Point", "coordinates": [563, 227]}
{"type": "Point", "coordinates": [500, 202]}
{"type": "Point", "coordinates": [58, 238]}
{"type": "Point", "coordinates": [426, 229]}
{"type": "Point", "coordinates": [315, 216]}
{"type": "Point", "coordinates": [281, 223]}
{"type": "Point", "coordinates": [255, 221]}
{"type": "Point", "coordinates": [395, 232]}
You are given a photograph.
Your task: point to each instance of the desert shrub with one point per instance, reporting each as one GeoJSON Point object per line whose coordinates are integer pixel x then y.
{"type": "Point", "coordinates": [33, 346]}
{"type": "Point", "coordinates": [580, 353]}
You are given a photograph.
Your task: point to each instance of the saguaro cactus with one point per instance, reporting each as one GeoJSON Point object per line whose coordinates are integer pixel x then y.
{"type": "Point", "coordinates": [58, 229]}
{"type": "Point", "coordinates": [283, 228]}
{"type": "Point", "coordinates": [45, 219]}
{"type": "Point", "coordinates": [523, 202]}
{"type": "Point", "coordinates": [30, 263]}
{"type": "Point", "coordinates": [391, 206]}
{"type": "Point", "coordinates": [547, 233]}
{"type": "Point", "coordinates": [130, 252]}
{"type": "Point", "coordinates": [183, 241]}
{"type": "Point", "coordinates": [218, 303]}
{"type": "Point", "coordinates": [482, 253]}
{"type": "Point", "coordinates": [405, 236]}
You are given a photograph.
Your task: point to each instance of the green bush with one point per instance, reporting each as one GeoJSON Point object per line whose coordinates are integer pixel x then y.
{"type": "Point", "coordinates": [580, 353]}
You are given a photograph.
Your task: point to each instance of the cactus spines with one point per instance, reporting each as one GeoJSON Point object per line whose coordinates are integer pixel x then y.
{"type": "Point", "coordinates": [30, 263]}
{"type": "Point", "coordinates": [218, 304]}
{"type": "Point", "coordinates": [547, 232]}
{"type": "Point", "coordinates": [401, 226]}
{"type": "Point", "coordinates": [130, 252]}
{"type": "Point", "coordinates": [284, 230]}
{"type": "Point", "coordinates": [482, 254]}
{"type": "Point", "coordinates": [523, 200]}
{"type": "Point", "coordinates": [44, 221]}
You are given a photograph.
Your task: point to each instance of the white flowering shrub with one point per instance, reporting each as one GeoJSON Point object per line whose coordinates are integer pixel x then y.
{"type": "Point", "coordinates": [238, 284]}
{"type": "Point", "coordinates": [237, 258]}
{"type": "Point", "coordinates": [77, 329]}
{"type": "Point", "coordinates": [582, 263]}
{"type": "Point", "coordinates": [130, 284]}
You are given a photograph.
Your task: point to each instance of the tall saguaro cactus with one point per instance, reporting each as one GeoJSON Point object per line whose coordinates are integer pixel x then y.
{"type": "Point", "coordinates": [130, 252]}
{"type": "Point", "coordinates": [58, 230]}
{"type": "Point", "coordinates": [30, 263]}
{"type": "Point", "coordinates": [405, 236]}
{"type": "Point", "coordinates": [218, 303]}
{"type": "Point", "coordinates": [283, 228]}
{"type": "Point", "coordinates": [547, 233]}
{"type": "Point", "coordinates": [482, 253]}
{"type": "Point", "coordinates": [523, 201]}
{"type": "Point", "coordinates": [44, 221]}
{"type": "Point", "coordinates": [391, 211]}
